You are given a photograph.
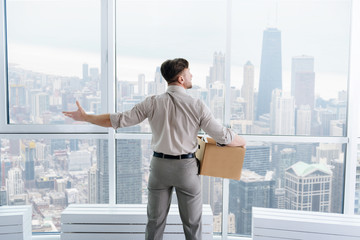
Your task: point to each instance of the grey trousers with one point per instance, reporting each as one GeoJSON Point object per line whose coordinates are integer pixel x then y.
{"type": "Point", "coordinates": [166, 174]}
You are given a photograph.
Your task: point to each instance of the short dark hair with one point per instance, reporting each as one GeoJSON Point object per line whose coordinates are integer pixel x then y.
{"type": "Point", "coordinates": [170, 69]}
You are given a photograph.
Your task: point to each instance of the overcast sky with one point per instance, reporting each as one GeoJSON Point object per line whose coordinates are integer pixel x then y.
{"type": "Point", "coordinates": [152, 31]}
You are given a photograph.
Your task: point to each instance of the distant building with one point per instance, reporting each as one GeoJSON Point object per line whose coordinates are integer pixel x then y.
{"type": "Point", "coordinates": [217, 70]}
{"type": "Point", "coordinates": [247, 90]}
{"type": "Point", "coordinates": [308, 187]}
{"type": "Point", "coordinates": [253, 190]}
{"type": "Point", "coordinates": [270, 70]}
{"type": "Point", "coordinates": [303, 81]}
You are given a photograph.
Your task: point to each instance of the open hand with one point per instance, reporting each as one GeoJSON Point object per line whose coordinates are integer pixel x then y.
{"type": "Point", "coordinates": [78, 115]}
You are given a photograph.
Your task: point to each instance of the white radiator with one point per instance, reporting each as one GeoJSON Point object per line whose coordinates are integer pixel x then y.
{"type": "Point", "coordinates": [268, 224]}
{"type": "Point", "coordinates": [15, 222]}
{"type": "Point", "coordinates": [125, 221]}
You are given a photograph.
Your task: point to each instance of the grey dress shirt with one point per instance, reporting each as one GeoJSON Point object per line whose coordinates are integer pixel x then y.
{"type": "Point", "coordinates": [175, 119]}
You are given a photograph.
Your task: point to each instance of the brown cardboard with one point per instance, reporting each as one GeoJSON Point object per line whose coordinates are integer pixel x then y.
{"type": "Point", "coordinates": [216, 161]}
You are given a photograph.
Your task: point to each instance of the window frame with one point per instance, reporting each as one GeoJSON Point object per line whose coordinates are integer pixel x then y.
{"type": "Point", "coordinates": [108, 74]}
{"type": "Point", "coordinates": [6, 127]}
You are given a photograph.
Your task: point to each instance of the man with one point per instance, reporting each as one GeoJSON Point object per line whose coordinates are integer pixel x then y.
{"type": "Point", "coordinates": [175, 119]}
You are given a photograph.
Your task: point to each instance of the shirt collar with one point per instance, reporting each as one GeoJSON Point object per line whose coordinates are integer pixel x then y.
{"type": "Point", "coordinates": [175, 88]}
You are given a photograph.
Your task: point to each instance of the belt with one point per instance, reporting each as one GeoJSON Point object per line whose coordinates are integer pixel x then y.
{"type": "Point", "coordinates": [184, 156]}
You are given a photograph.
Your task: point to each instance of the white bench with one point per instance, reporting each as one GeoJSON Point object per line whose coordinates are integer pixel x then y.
{"type": "Point", "coordinates": [303, 225]}
{"type": "Point", "coordinates": [125, 221]}
{"type": "Point", "coordinates": [15, 222]}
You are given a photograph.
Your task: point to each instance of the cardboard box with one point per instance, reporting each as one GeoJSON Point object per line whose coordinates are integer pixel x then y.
{"type": "Point", "coordinates": [217, 161]}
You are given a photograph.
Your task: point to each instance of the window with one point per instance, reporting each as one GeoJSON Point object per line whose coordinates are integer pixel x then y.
{"type": "Point", "coordinates": [52, 60]}
{"type": "Point", "coordinates": [276, 71]}
{"type": "Point", "coordinates": [289, 75]}
{"type": "Point", "coordinates": [270, 177]}
{"type": "Point", "coordinates": [51, 173]}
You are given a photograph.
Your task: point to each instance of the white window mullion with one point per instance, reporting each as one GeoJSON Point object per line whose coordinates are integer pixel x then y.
{"type": "Point", "coordinates": [353, 110]}
{"type": "Point", "coordinates": [225, 192]}
{"type": "Point", "coordinates": [108, 86]}
{"type": "Point", "coordinates": [3, 100]}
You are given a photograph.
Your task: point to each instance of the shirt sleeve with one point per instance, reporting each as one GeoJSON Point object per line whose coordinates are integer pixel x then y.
{"type": "Point", "coordinates": [132, 117]}
{"type": "Point", "coordinates": [212, 127]}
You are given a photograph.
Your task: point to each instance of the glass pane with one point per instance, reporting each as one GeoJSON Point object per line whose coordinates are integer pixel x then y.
{"type": "Point", "coordinates": [289, 76]}
{"type": "Point", "coordinates": [133, 158]}
{"type": "Point", "coordinates": [161, 34]}
{"type": "Point", "coordinates": [297, 176]}
{"type": "Point", "coordinates": [357, 185]}
{"type": "Point", "coordinates": [50, 174]}
{"type": "Point", "coordinates": [52, 59]}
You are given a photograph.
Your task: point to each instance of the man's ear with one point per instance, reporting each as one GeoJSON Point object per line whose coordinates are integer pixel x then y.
{"type": "Point", "coordinates": [180, 79]}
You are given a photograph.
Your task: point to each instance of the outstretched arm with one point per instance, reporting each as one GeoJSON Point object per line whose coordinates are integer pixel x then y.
{"type": "Point", "coordinates": [102, 120]}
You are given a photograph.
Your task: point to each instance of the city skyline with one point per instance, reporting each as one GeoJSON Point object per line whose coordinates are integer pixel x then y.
{"type": "Point", "coordinates": [69, 186]}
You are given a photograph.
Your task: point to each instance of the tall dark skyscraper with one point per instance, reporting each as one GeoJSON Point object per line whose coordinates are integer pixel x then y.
{"type": "Point", "coordinates": [29, 164]}
{"type": "Point", "coordinates": [252, 190]}
{"type": "Point", "coordinates": [128, 169]}
{"type": "Point", "coordinates": [257, 159]}
{"type": "Point", "coordinates": [270, 70]}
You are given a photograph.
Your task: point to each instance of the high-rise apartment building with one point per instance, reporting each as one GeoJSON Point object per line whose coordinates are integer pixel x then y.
{"type": "Point", "coordinates": [308, 187]}
{"type": "Point", "coordinates": [15, 183]}
{"type": "Point", "coordinates": [303, 120]}
{"type": "Point", "coordinates": [303, 81]}
{"type": "Point", "coordinates": [141, 84]}
{"type": "Point", "coordinates": [282, 116]}
{"type": "Point", "coordinates": [247, 90]}
{"type": "Point", "coordinates": [270, 70]}
{"type": "Point", "coordinates": [92, 185]}
{"type": "Point", "coordinates": [102, 164]}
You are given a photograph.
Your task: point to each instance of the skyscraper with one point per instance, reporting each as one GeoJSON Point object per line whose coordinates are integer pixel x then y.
{"type": "Point", "coordinates": [308, 187]}
{"type": "Point", "coordinates": [128, 169]}
{"type": "Point", "coordinates": [217, 70]}
{"type": "Point", "coordinates": [257, 159]}
{"type": "Point", "coordinates": [141, 84]}
{"type": "Point", "coordinates": [303, 120]}
{"type": "Point", "coordinates": [160, 83]}
{"type": "Point", "coordinates": [92, 185]}
{"type": "Point", "coordinates": [282, 117]}
{"type": "Point", "coordinates": [270, 69]}
{"type": "Point", "coordinates": [247, 90]}
{"type": "Point", "coordinates": [217, 100]}
{"type": "Point", "coordinates": [3, 196]}
{"type": "Point", "coordinates": [327, 152]}
{"type": "Point", "coordinates": [14, 183]}
{"type": "Point", "coordinates": [85, 72]}
{"type": "Point", "coordinates": [29, 164]}
{"type": "Point", "coordinates": [337, 191]}
{"type": "Point", "coordinates": [303, 80]}
{"type": "Point", "coordinates": [102, 156]}
{"type": "Point", "coordinates": [251, 190]}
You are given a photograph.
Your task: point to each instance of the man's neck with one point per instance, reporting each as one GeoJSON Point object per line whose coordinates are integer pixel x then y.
{"type": "Point", "coordinates": [177, 84]}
